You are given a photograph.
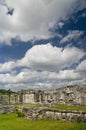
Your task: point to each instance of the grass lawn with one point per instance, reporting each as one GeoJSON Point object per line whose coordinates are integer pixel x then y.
{"type": "Point", "coordinates": [27, 105]}
{"type": "Point", "coordinates": [12, 122]}
{"type": "Point", "coordinates": [66, 107]}
{"type": "Point", "coordinates": [62, 107]}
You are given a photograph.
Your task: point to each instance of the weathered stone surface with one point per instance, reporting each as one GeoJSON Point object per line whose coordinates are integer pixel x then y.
{"type": "Point", "coordinates": [5, 99]}
{"type": "Point", "coordinates": [54, 114]}
{"type": "Point", "coordinates": [7, 109]}
{"type": "Point", "coordinates": [47, 113]}
{"type": "Point", "coordinates": [72, 95]}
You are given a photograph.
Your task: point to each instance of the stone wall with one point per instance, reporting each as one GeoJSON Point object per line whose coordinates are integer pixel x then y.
{"type": "Point", "coordinates": [47, 113]}
{"type": "Point", "coordinates": [73, 95]}
{"type": "Point", "coordinates": [7, 109]}
{"type": "Point", "coordinates": [6, 99]}
{"type": "Point", "coordinates": [54, 114]}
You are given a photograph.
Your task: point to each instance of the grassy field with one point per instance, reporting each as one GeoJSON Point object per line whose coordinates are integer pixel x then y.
{"type": "Point", "coordinates": [66, 107]}
{"type": "Point", "coordinates": [12, 122]}
{"type": "Point", "coordinates": [62, 107]}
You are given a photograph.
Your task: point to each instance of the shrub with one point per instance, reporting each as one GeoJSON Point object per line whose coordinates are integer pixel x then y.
{"type": "Point", "coordinates": [19, 113]}
{"type": "Point", "coordinates": [4, 112]}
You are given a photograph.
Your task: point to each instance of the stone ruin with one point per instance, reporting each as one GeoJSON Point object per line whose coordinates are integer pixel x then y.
{"type": "Point", "coordinates": [6, 99]}
{"type": "Point", "coordinates": [54, 114]}
{"type": "Point", "coordinates": [72, 95]}
{"type": "Point", "coordinates": [45, 113]}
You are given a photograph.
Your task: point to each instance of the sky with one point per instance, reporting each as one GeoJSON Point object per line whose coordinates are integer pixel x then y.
{"type": "Point", "coordinates": [42, 44]}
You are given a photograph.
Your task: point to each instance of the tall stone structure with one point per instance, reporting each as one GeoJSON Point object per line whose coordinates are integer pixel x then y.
{"type": "Point", "coordinates": [72, 95]}
{"type": "Point", "coordinates": [4, 99]}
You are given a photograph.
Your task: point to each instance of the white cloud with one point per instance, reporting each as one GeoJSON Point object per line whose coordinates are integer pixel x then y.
{"type": "Point", "coordinates": [71, 35]}
{"type": "Point", "coordinates": [47, 57]}
{"type": "Point", "coordinates": [7, 66]}
{"type": "Point", "coordinates": [82, 66]}
{"type": "Point", "coordinates": [36, 79]}
{"type": "Point", "coordinates": [69, 75]}
{"type": "Point", "coordinates": [32, 18]}
{"type": "Point", "coordinates": [41, 67]}
{"type": "Point", "coordinates": [80, 5]}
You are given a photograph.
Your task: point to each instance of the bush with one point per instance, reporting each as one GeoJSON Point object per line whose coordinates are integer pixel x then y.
{"type": "Point", "coordinates": [19, 113]}
{"type": "Point", "coordinates": [4, 112]}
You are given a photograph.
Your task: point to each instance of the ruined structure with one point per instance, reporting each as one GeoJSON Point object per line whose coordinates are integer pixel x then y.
{"type": "Point", "coordinates": [54, 114]}
{"type": "Point", "coordinates": [46, 113]}
{"type": "Point", "coordinates": [9, 99]}
{"type": "Point", "coordinates": [72, 95]}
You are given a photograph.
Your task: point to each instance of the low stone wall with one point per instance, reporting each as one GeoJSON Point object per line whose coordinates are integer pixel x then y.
{"type": "Point", "coordinates": [7, 109]}
{"type": "Point", "coordinates": [54, 114]}
{"type": "Point", "coordinates": [47, 113]}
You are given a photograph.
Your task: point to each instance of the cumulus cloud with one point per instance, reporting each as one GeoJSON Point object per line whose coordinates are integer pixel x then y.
{"type": "Point", "coordinates": [41, 80]}
{"type": "Point", "coordinates": [69, 75]}
{"type": "Point", "coordinates": [47, 57]}
{"type": "Point", "coordinates": [82, 66]}
{"type": "Point", "coordinates": [43, 67]}
{"type": "Point", "coordinates": [7, 66]}
{"type": "Point", "coordinates": [32, 18]}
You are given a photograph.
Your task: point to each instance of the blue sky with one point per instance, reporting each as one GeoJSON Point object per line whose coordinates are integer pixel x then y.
{"type": "Point", "coordinates": [42, 43]}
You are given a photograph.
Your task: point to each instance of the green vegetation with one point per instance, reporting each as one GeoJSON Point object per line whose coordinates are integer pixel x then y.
{"type": "Point", "coordinates": [66, 107]}
{"type": "Point", "coordinates": [28, 105]}
{"type": "Point", "coordinates": [13, 122]}
{"type": "Point", "coordinates": [8, 92]}
{"type": "Point", "coordinates": [32, 105]}
{"type": "Point", "coordinates": [62, 107]}
{"type": "Point", "coordinates": [19, 113]}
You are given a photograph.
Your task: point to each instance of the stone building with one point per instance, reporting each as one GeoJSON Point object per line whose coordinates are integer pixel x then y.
{"type": "Point", "coordinates": [30, 96]}
{"type": "Point", "coordinates": [6, 99]}
{"type": "Point", "coordinates": [73, 95]}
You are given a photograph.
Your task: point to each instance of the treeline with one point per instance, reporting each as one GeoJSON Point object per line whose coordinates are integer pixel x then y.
{"type": "Point", "coordinates": [3, 91]}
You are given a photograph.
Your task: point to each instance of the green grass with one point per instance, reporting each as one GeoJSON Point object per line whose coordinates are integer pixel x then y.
{"type": "Point", "coordinates": [31, 105]}
{"type": "Point", "coordinates": [27, 105]}
{"type": "Point", "coordinates": [65, 107]}
{"type": "Point", "coordinates": [62, 107]}
{"type": "Point", "coordinates": [12, 122]}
